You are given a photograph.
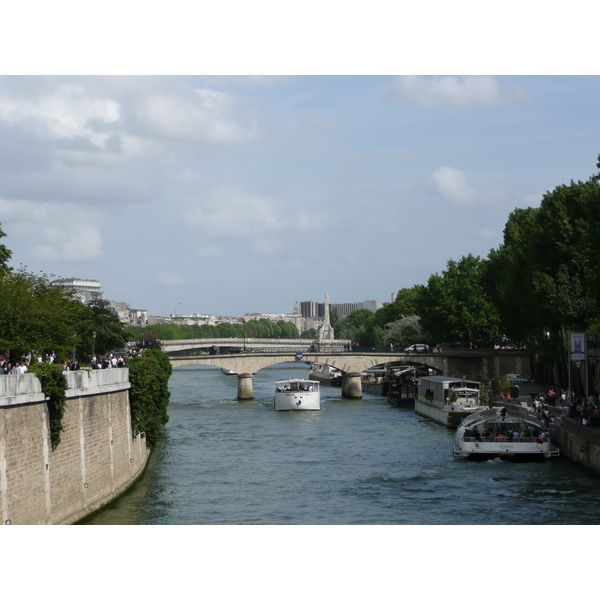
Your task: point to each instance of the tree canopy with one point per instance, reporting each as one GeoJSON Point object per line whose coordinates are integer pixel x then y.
{"type": "Point", "coordinates": [456, 306]}
{"type": "Point", "coordinates": [5, 254]}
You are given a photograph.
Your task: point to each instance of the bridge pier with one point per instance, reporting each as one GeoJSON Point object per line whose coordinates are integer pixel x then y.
{"type": "Point", "coordinates": [245, 387]}
{"type": "Point", "coordinates": [351, 385]}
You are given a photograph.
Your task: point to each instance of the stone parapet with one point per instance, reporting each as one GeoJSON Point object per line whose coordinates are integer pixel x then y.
{"type": "Point", "coordinates": [88, 383]}
{"type": "Point", "coordinates": [20, 389]}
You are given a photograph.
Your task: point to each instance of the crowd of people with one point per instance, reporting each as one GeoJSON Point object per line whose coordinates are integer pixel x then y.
{"type": "Point", "coordinates": [111, 360]}
{"type": "Point", "coordinates": [585, 412]}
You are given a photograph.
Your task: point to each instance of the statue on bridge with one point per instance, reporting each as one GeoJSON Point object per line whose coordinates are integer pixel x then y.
{"type": "Point", "coordinates": [326, 332]}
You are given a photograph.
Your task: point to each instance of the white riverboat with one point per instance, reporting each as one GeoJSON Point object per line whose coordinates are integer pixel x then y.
{"type": "Point", "coordinates": [297, 394]}
{"type": "Point", "coordinates": [502, 432]}
{"type": "Point", "coordinates": [447, 400]}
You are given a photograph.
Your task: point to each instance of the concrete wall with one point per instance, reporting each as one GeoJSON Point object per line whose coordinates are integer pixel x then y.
{"type": "Point", "coordinates": [96, 460]}
{"type": "Point", "coordinates": [579, 443]}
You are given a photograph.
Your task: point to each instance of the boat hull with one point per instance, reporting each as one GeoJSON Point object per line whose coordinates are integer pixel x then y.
{"type": "Point", "coordinates": [297, 401]}
{"type": "Point", "coordinates": [522, 449]}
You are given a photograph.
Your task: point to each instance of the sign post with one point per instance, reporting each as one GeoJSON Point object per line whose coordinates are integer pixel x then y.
{"type": "Point", "coordinates": [578, 353]}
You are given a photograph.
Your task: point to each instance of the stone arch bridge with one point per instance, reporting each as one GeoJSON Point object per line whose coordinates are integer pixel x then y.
{"type": "Point", "coordinates": [483, 364]}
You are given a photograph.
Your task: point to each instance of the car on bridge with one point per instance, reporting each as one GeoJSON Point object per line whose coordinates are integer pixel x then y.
{"type": "Point", "coordinates": [417, 348]}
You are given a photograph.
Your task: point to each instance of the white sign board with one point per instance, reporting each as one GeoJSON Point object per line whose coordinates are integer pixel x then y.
{"type": "Point", "coordinates": [577, 346]}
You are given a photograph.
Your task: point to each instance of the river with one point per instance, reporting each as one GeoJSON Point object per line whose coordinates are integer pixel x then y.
{"type": "Point", "coordinates": [355, 462]}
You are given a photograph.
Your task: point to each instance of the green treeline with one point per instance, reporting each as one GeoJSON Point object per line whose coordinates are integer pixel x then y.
{"type": "Point", "coordinates": [261, 328]}
{"type": "Point", "coordinates": [542, 282]}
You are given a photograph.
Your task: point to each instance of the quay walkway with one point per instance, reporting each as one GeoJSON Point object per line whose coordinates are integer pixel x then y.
{"type": "Point", "coordinates": [579, 443]}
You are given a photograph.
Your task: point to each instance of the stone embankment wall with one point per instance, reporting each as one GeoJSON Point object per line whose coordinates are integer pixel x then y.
{"type": "Point", "coordinates": [96, 460]}
{"type": "Point", "coordinates": [579, 443]}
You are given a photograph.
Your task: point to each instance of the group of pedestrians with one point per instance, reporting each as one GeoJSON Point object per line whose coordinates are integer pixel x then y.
{"type": "Point", "coordinates": [7, 368]}
{"type": "Point", "coordinates": [585, 412]}
{"type": "Point", "coordinates": [111, 360]}
{"type": "Point", "coordinates": [106, 361]}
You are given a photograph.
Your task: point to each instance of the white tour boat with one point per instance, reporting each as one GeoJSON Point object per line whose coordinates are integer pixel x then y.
{"type": "Point", "coordinates": [447, 400]}
{"type": "Point", "coordinates": [297, 394]}
{"type": "Point", "coordinates": [505, 433]}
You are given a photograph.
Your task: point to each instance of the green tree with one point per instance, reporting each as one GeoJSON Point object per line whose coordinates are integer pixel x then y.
{"type": "Point", "coordinates": [406, 303]}
{"type": "Point", "coordinates": [544, 275]}
{"type": "Point", "coordinates": [5, 255]}
{"type": "Point", "coordinates": [456, 306]}
{"type": "Point", "coordinates": [110, 333]}
{"type": "Point", "coordinates": [36, 315]}
{"type": "Point", "coordinates": [404, 331]}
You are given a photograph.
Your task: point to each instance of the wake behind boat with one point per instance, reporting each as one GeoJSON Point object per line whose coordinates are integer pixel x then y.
{"type": "Point", "coordinates": [503, 432]}
{"type": "Point", "coordinates": [297, 394]}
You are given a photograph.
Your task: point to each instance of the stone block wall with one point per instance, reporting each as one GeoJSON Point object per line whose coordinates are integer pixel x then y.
{"type": "Point", "coordinates": [96, 460]}
{"type": "Point", "coordinates": [581, 444]}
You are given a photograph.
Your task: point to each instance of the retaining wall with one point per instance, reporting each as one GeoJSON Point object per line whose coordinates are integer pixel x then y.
{"type": "Point", "coordinates": [96, 460]}
{"type": "Point", "coordinates": [579, 443]}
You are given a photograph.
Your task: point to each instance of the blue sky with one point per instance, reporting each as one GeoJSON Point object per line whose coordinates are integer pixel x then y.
{"type": "Point", "coordinates": [226, 195]}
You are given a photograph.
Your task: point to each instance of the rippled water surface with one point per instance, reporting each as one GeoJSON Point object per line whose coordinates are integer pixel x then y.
{"type": "Point", "coordinates": [354, 462]}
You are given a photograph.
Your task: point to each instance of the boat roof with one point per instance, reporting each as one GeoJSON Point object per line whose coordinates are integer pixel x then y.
{"type": "Point", "coordinates": [297, 379]}
{"type": "Point", "coordinates": [494, 415]}
{"type": "Point", "coordinates": [445, 379]}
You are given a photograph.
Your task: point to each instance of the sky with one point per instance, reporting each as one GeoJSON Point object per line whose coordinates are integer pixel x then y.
{"type": "Point", "coordinates": [227, 195]}
{"type": "Point", "coordinates": [230, 193]}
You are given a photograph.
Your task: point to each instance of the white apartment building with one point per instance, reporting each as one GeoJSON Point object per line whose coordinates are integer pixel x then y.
{"type": "Point", "coordinates": [85, 289]}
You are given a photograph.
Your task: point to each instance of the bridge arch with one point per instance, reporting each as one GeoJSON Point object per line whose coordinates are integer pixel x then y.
{"type": "Point", "coordinates": [349, 363]}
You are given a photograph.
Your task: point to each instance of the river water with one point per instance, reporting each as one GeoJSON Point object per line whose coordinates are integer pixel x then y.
{"type": "Point", "coordinates": [224, 462]}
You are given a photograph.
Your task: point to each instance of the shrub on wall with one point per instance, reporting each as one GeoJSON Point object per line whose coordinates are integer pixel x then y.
{"type": "Point", "coordinates": [149, 394]}
{"type": "Point", "coordinates": [54, 386]}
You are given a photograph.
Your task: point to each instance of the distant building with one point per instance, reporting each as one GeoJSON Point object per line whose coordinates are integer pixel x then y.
{"type": "Point", "coordinates": [138, 317]}
{"type": "Point", "coordinates": [309, 308]}
{"type": "Point", "coordinates": [344, 310]}
{"type": "Point", "coordinates": [85, 289]}
{"type": "Point", "coordinates": [121, 309]}
{"type": "Point", "coordinates": [373, 305]}
{"type": "Point", "coordinates": [155, 319]}
{"type": "Point", "coordinates": [314, 312]}
{"type": "Point", "coordinates": [194, 319]}
{"type": "Point", "coordinates": [295, 317]}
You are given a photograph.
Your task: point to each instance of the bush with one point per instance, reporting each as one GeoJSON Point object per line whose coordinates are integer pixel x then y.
{"type": "Point", "coordinates": [149, 394]}
{"type": "Point", "coordinates": [54, 386]}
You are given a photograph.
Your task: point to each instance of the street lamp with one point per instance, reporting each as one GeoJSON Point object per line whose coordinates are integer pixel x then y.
{"type": "Point", "coordinates": [244, 324]}
{"type": "Point", "coordinates": [93, 343]}
{"type": "Point", "coordinates": [349, 339]}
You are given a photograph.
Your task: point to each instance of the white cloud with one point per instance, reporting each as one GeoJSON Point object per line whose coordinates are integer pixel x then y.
{"type": "Point", "coordinates": [454, 187]}
{"type": "Point", "coordinates": [68, 111]}
{"type": "Point", "coordinates": [69, 242]}
{"type": "Point", "coordinates": [167, 279]}
{"type": "Point", "coordinates": [57, 238]}
{"type": "Point", "coordinates": [454, 92]}
{"type": "Point", "coordinates": [205, 116]}
{"type": "Point", "coordinates": [233, 213]}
